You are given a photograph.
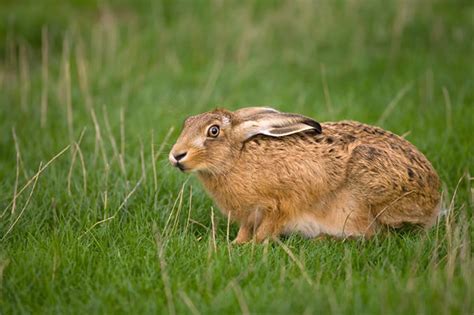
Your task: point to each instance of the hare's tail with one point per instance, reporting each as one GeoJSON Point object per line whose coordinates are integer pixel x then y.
{"type": "Point", "coordinates": [437, 214]}
{"type": "Point", "coordinates": [443, 211]}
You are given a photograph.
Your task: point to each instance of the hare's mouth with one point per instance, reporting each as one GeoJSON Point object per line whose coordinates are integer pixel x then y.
{"type": "Point", "coordinates": [181, 167]}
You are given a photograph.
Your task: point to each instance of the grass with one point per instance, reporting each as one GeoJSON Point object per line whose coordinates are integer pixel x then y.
{"type": "Point", "coordinates": [108, 226]}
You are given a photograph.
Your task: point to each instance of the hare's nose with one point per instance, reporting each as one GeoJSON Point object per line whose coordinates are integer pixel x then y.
{"type": "Point", "coordinates": [179, 156]}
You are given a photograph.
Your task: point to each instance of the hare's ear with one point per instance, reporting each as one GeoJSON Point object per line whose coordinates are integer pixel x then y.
{"type": "Point", "coordinates": [273, 123]}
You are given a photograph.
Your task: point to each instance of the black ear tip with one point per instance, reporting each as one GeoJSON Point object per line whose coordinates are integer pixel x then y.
{"type": "Point", "coordinates": [313, 124]}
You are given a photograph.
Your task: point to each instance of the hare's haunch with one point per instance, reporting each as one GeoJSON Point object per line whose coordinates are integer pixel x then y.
{"type": "Point", "coordinates": [276, 173]}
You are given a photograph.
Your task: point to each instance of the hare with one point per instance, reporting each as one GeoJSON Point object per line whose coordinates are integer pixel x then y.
{"type": "Point", "coordinates": [277, 173]}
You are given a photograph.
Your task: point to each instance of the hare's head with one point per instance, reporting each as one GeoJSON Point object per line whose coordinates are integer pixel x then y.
{"type": "Point", "coordinates": [211, 141]}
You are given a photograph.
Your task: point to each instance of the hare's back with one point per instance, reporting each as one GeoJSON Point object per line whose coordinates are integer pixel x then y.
{"type": "Point", "coordinates": [385, 165]}
{"type": "Point", "coordinates": [379, 139]}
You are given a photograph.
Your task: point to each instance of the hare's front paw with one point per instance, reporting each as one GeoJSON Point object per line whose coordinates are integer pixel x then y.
{"type": "Point", "coordinates": [243, 236]}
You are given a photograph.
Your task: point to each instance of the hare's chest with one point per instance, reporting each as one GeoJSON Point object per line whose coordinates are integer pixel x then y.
{"type": "Point", "coordinates": [237, 201]}
{"type": "Point", "coordinates": [227, 198]}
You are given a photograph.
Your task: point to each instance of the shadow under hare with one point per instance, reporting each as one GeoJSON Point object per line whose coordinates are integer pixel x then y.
{"type": "Point", "coordinates": [277, 173]}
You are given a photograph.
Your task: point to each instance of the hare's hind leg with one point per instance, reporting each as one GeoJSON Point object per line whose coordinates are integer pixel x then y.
{"type": "Point", "coordinates": [398, 189]}
{"type": "Point", "coordinates": [346, 216]}
{"type": "Point", "coordinates": [408, 210]}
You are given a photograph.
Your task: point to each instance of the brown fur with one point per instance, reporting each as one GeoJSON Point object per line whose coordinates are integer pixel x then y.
{"type": "Point", "coordinates": [347, 180]}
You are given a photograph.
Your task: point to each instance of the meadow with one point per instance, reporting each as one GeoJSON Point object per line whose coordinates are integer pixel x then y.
{"type": "Point", "coordinates": [94, 220]}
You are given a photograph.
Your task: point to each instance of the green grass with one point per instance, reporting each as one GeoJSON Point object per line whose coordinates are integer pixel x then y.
{"type": "Point", "coordinates": [110, 227]}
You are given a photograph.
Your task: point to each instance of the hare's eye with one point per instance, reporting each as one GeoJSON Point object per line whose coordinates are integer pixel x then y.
{"type": "Point", "coordinates": [213, 131]}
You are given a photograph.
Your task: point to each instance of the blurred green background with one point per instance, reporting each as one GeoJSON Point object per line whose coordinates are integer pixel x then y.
{"type": "Point", "coordinates": [109, 226]}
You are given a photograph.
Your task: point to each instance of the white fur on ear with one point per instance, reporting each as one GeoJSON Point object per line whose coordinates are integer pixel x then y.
{"type": "Point", "coordinates": [281, 132]}
{"type": "Point", "coordinates": [275, 124]}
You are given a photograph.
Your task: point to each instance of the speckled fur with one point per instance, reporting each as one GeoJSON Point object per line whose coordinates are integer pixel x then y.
{"type": "Point", "coordinates": [346, 181]}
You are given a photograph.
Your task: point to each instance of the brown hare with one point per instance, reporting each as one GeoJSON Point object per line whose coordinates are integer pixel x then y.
{"type": "Point", "coordinates": [276, 173]}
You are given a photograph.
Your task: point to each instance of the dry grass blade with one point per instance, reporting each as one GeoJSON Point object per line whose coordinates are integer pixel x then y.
{"type": "Point", "coordinates": [452, 231]}
{"type": "Point", "coordinates": [404, 11]}
{"type": "Point", "coordinates": [83, 167]}
{"type": "Point", "coordinates": [189, 303]}
{"type": "Point", "coordinates": [449, 107]}
{"type": "Point", "coordinates": [406, 134]}
{"type": "Point", "coordinates": [84, 86]}
{"type": "Point", "coordinates": [327, 95]}
{"type": "Point", "coordinates": [20, 164]}
{"type": "Point", "coordinates": [99, 144]}
{"type": "Point", "coordinates": [164, 273]}
{"type": "Point", "coordinates": [178, 212]}
{"type": "Point", "coordinates": [32, 179]}
{"type": "Point", "coordinates": [122, 133]}
{"type": "Point", "coordinates": [180, 196]}
{"type": "Point", "coordinates": [69, 175]}
{"type": "Point", "coordinates": [44, 72]}
{"type": "Point", "coordinates": [25, 82]}
{"type": "Point", "coordinates": [345, 223]}
{"type": "Point", "coordinates": [227, 237]}
{"type": "Point", "coordinates": [163, 143]}
{"type": "Point", "coordinates": [391, 106]}
{"type": "Point", "coordinates": [105, 194]}
{"type": "Point", "coordinates": [117, 154]}
{"type": "Point", "coordinates": [296, 260]}
{"type": "Point", "coordinates": [450, 212]}
{"type": "Point", "coordinates": [17, 175]}
{"type": "Point", "coordinates": [199, 223]}
{"type": "Point", "coordinates": [266, 245]}
{"type": "Point", "coordinates": [211, 82]}
{"type": "Point", "coordinates": [448, 235]}
{"type": "Point", "coordinates": [213, 225]}
{"type": "Point", "coordinates": [124, 202]}
{"type": "Point", "coordinates": [153, 162]}
{"type": "Point", "coordinates": [75, 151]}
{"type": "Point", "coordinates": [67, 87]}
{"type": "Point", "coordinates": [24, 207]}
{"type": "Point", "coordinates": [240, 298]}
{"type": "Point", "coordinates": [82, 74]}
{"type": "Point", "coordinates": [142, 160]}
{"type": "Point", "coordinates": [189, 208]}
